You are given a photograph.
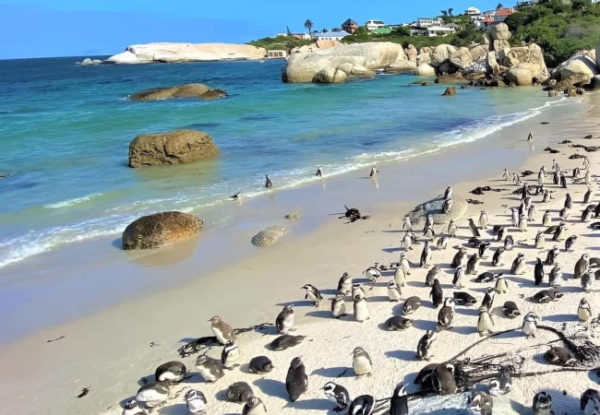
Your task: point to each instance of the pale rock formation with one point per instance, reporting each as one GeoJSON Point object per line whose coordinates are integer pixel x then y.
{"type": "Point", "coordinates": [268, 236]}
{"type": "Point", "coordinates": [520, 76]}
{"type": "Point", "coordinates": [90, 62]}
{"type": "Point", "coordinates": [411, 53]}
{"type": "Point", "coordinates": [441, 54]}
{"type": "Point", "coordinates": [186, 52]}
{"type": "Point", "coordinates": [160, 229]}
{"type": "Point", "coordinates": [578, 69]}
{"type": "Point", "coordinates": [425, 69]}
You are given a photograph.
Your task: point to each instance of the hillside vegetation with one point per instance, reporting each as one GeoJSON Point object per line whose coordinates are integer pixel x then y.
{"type": "Point", "coordinates": [280, 43]}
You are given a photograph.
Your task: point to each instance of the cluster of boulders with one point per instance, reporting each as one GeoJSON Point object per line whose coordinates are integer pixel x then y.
{"type": "Point", "coordinates": [199, 91]}
{"type": "Point", "coordinates": [580, 70]}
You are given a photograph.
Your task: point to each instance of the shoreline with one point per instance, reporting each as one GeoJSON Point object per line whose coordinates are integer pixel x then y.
{"type": "Point", "coordinates": [221, 246]}
{"type": "Point", "coordinates": [244, 292]}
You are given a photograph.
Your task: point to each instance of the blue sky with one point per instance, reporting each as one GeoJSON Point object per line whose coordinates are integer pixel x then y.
{"type": "Point", "coordinates": [39, 28]}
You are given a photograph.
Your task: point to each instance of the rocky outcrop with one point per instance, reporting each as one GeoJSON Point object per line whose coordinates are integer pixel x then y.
{"type": "Point", "coordinates": [186, 52]}
{"type": "Point", "coordinates": [90, 62]}
{"type": "Point", "coordinates": [520, 76]}
{"type": "Point", "coordinates": [354, 60]}
{"type": "Point", "coordinates": [411, 53]}
{"type": "Point", "coordinates": [160, 229]}
{"type": "Point", "coordinates": [579, 69]}
{"type": "Point", "coordinates": [175, 147]}
{"type": "Point", "coordinates": [180, 91]}
{"type": "Point", "coordinates": [499, 35]}
{"type": "Point", "coordinates": [425, 69]}
{"type": "Point", "coordinates": [268, 236]}
{"type": "Point", "coordinates": [450, 91]}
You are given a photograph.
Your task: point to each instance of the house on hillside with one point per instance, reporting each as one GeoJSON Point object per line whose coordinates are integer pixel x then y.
{"type": "Point", "coordinates": [502, 13]}
{"type": "Point", "coordinates": [425, 22]}
{"type": "Point", "coordinates": [350, 26]}
{"type": "Point", "coordinates": [276, 54]}
{"type": "Point", "coordinates": [330, 35]}
{"type": "Point", "coordinates": [472, 12]}
{"type": "Point", "coordinates": [374, 24]}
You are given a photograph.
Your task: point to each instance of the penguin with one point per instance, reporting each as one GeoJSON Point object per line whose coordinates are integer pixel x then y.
{"type": "Point", "coordinates": [538, 272]}
{"type": "Point", "coordinates": [393, 292]}
{"type": "Point", "coordinates": [338, 394]}
{"type": "Point", "coordinates": [230, 356]}
{"type": "Point", "coordinates": [568, 201]}
{"type": "Point", "coordinates": [436, 294]}
{"type": "Point", "coordinates": [442, 379]}
{"type": "Point", "coordinates": [312, 294]}
{"type": "Point", "coordinates": [404, 264]}
{"type": "Point", "coordinates": [170, 372]}
{"type": "Point", "coordinates": [586, 196]}
{"type": "Point", "coordinates": [399, 401]}
{"type": "Point", "coordinates": [560, 356]}
{"type": "Point", "coordinates": [555, 276]}
{"type": "Point", "coordinates": [488, 299]}
{"type": "Point", "coordinates": [523, 223]}
{"type": "Point", "coordinates": [446, 315]}
{"type": "Point", "coordinates": [509, 242]}
{"type": "Point", "coordinates": [407, 241]}
{"type": "Point", "coordinates": [498, 258]}
{"type": "Point", "coordinates": [338, 306]}
{"type": "Point", "coordinates": [540, 240]}
{"type": "Point", "coordinates": [556, 176]}
{"type": "Point", "coordinates": [361, 310]}
{"type": "Point", "coordinates": [515, 217]}
{"type": "Point", "coordinates": [254, 406]}
{"type": "Point", "coordinates": [563, 180]}
{"type": "Point", "coordinates": [500, 233]}
{"type": "Point", "coordinates": [425, 255]}
{"type": "Point", "coordinates": [296, 381]}
{"type": "Point", "coordinates": [268, 182]}
{"type": "Point", "coordinates": [196, 402]}
{"type": "Point", "coordinates": [448, 193]}
{"type": "Point", "coordinates": [373, 172]}
{"type": "Point", "coordinates": [474, 229]}
{"type": "Point", "coordinates": [547, 219]}
{"type": "Point", "coordinates": [581, 266]}
{"type": "Point", "coordinates": [442, 242]}
{"type": "Point", "coordinates": [235, 196]}
{"type": "Point", "coordinates": [132, 407]}
{"type": "Point", "coordinates": [546, 196]}
{"type": "Point", "coordinates": [423, 378]}
{"type": "Point", "coordinates": [362, 405]}
{"type": "Point", "coordinates": [501, 385]}
{"type": "Point", "coordinates": [458, 277]}
{"type": "Point", "coordinates": [510, 309]}
{"type": "Point", "coordinates": [545, 296]}
{"type": "Point", "coordinates": [223, 331]}
{"type": "Point", "coordinates": [542, 404]}
{"type": "Point", "coordinates": [584, 311]}
{"type": "Point", "coordinates": [530, 215]}
{"type": "Point", "coordinates": [541, 177]}
{"type": "Point", "coordinates": [345, 284]}
{"type": "Point", "coordinates": [210, 369]}
{"type": "Point", "coordinates": [399, 277]}
{"type": "Point", "coordinates": [482, 249]}
{"type": "Point", "coordinates": [459, 257]}
{"type": "Point", "coordinates": [590, 402]}
{"type": "Point", "coordinates": [586, 214]}
{"type": "Point", "coordinates": [431, 275]}
{"type": "Point", "coordinates": [483, 220]}
{"type": "Point", "coordinates": [285, 320]}
{"type": "Point", "coordinates": [485, 323]}
{"type": "Point", "coordinates": [463, 298]}
{"type": "Point", "coordinates": [361, 362]}
{"type": "Point", "coordinates": [488, 276]}
{"type": "Point", "coordinates": [564, 213]}
{"type": "Point", "coordinates": [479, 403]}
{"type": "Point", "coordinates": [239, 392]}
{"type": "Point", "coordinates": [260, 364]}
{"type": "Point", "coordinates": [372, 273]}
{"type": "Point", "coordinates": [411, 305]}
{"type": "Point", "coordinates": [530, 322]}
{"type": "Point", "coordinates": [451, 228]}
{"type": "Point", "coordinates": [285, 341]}
{"type": "Point", "coordinates": [587, 282]}
{"type": "Point", "coordinates": [551, 256]}
{"type": "Point", "coordinates": [506, 175]}
{"type": "Point", "coordinates": [501, 286]}
{"type": "Point", "coordinates": [407, 224]}
{"type": "Point", "coordinates": [424, 344]}
{"type": "Point", "coordinates": [358, 291]}
{"type": "Point", "coordinates": [153, 394]}
{"type": "Point", "coordinates": [473, 264]}
{"type": "Point", "coordinates": [319, 172]}
{"type": "Point", "coordinates": [447, 205]}
{"type": "Point", "coordinates": [569, 242]}
{"type": "Point", "coordinates": [518, 265]}
{"type": "Point", "coordinates": [530, 137]}
{"type": "Point", "coordinates": [396, 323]}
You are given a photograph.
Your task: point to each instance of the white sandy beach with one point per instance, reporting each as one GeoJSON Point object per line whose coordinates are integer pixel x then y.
{"type": "Point", "coordinates": [110, 351]}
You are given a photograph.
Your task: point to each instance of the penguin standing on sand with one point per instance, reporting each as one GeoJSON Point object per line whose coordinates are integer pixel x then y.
{"type": "Point", "coordinates": [223, 331]}
{"type": "Point", "coordinates": [584, 311]}
{"type": "Point", "coordinates": [485, 323]}
{"type": "Point", "coordinates": [459, 258]}
{"type": "Point", "coordinates": [488, 299]}
{"type": "Point", "coordinates": [296, 381]}
{"type": "Point", "coordinates": [482, 249]}
{"type": "Point", "coordinates": [407, 224]}
{"type": "Point", "coordinates": [285, 320]}
{"type": "Point", "coordinates": [538, 272]}
{"type": "Point", "coordinates": [319, 172]}
{"type": "Point", "coordinates": [254, 406]}
{"type": "Point", "coordinates": [530, 322]}
{"type": "Point", "coordinates": [431, 275]}
{"type": "Point", "coordinates": [451, 228]}
{"type": "Point", "coordinates": [373, 172]}
{"type": "Point", "coordinates": [425, 255]}
{"type": "Point", "coordinates": [473, 228]}
{"type": "Point", "coordinates": [436, 293]}
{"type": "Point", "coordinates": [407, 241]}
{"type": "Point", "coordinates": [425, 344]}
{"type": "Point", "coordinates": [361, 362]}
{"type": "Point", "coordinates": [268, 182]}
{"type": "Point", "coordinates": [483, 220]}
{"type": "Point", "coordinates": [542, 404]}
{"type": "Point", "coordinates": [230, 356]}
{"type": "Point", "coordinates": [337, 394]}
{"type": "Point", "coordinates": [399, 277]}
{"type": "Point", "coordinates": [210, 369]}
{"type": "Point", "coordinates": [587, 195]}
{"type": "Point", "coordinates": [312, 294]}
{"type": "Point", "coordinates": [473, 264]}
{"type": "Point", "coordinates": [552, 256]}
{"type": "Point", "coordinates": [530, 137]}
{"type": "Point", "coordinates": [345, 284]}
{"type": "Point", "coordinates": [446, 315]}
{"type": "Point", "coordinates": [404, 264]}
{"type": "Point", "coordinates": [581, 266]}
{"type": "Point", "coordinates": [523, 222]}
{"type": "Point", "coordinates": [457, 281]}
{"type": "Point", "coordinates": [555, 276]}
{"type": "Point", "coordinates": [518, 265]}
{"type": "Point", "coordinates": [394, 293]}
{"type": "Point", "coordinates": [361, 310]}
{"type": "Point", "coordinates": [569, 242]}
{"type": "Point", "coordinates": [498, 258]}
{"type": "Point", "coordinates": [547, 219]}
{"type": "Point", "coordinates": [196, 402]}
{"type": "Point", "coordinates": [399, 401]}
{"type": "Point", "coordinates": [587, 282]}
{"type": "Point", "coordinates": [338, 306]}
{"type": "Point", "coordinates": [501, 286]}
{"type": "Point", "coordinates": [540, 240]}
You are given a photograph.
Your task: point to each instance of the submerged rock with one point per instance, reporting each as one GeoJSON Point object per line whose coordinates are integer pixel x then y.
{"type": "Point", "coordinates": [180, 91]}
{"type": "Point", "coordinates": [268, 236]}
{"type": "Point", "coordinates": [450, 91]}
{"type": "Point", "coordinates": [175, 147]}
{"type": "Point", "coordinates": [160, 229]}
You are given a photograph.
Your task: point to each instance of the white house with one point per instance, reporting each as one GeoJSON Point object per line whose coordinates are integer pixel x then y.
{"type": "Point", "coordinates": [425, 22]}
{"type": "Point", "coordinates": [433, 31]}
{"type": "Point", "coordinates": [374, 24]}
{"type": "Point", "coordinates": [472, 12]}
{"type": "Point", "coordinates": [338, 35]}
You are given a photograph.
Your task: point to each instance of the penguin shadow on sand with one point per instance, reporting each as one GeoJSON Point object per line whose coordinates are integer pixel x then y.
{"type": "Point", "coordinates": [320, 314]}
{"type": "Point", "coordinates": [311, 404]}
{"type": "Point", "coordinates": [468, 311]}
{"type": "Point", "coordinates": [297, 303]}
{"type": "Point", "coordinates": [464, 330]}
{"type": "Point", "coordinates": [272, 387]}
{"type": "Point", "coordinates": [424, 325]}
{"type": "Point", "coordinates": [403, 355]}
{"type": "Point", "coordinates": [176, 409]}
{"type": "Point", "coordinates": [334, 372]}
{"type": "Point", "coordinates": [561, 318]}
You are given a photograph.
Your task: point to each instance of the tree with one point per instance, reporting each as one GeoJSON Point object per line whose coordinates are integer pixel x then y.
{"type": "Point", "coordinates": [450, 10]}
{"type": "Point", "coordinates": [288, 31]}
{"type": "Point", "coordinates": [499, 6]}
{"type": "Point", "coordinates": [323, 30]}
{"type": "Point", "coordinates": [444, 12]}
{"type": "Point", "coordinates": [402, 31]}
{"type": "Point", "coordinates": [308, 24]}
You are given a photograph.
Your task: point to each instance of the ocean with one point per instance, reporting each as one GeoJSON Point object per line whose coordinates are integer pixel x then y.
{"type": "Point", "coordinates": [65, 131]}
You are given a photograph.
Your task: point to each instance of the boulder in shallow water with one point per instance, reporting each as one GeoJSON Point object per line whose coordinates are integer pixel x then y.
{"type": "Point", "coordinates": [450, 91]}
{"type": "Point", "coordinates": [199, 91]}
{"type": "Point", "coordinates": [90, 61]}
{"type": "Point", "coordinates": [268, 236]}
{"type": "Point", "coordinates": [175, 147]}
{"type": "Point", "coordinates": [160, 229]}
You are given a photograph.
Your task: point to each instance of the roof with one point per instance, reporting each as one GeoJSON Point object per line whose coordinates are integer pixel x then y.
{"type": "Point", "coordinates": [472, 9]}
{"type": "Point", "coordinates": [349, 21]}
{"type": "Point", "coordinates": [504, 12]}
{"type": "Point", "coordinates": [340, 34]}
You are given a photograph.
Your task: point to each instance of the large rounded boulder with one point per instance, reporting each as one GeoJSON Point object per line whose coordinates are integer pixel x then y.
{"type": "Point", "coordinates": [199, 91]}
{"type": "Point", "coordinates": [174, 147]}
{"type": "Point", "coordinates": [160, 229]}
{"type": "Point", "coordinates": [268, 236]}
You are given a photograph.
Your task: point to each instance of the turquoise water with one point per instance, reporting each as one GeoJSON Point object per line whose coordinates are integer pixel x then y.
{"type": "Point", "coordinates": [65, 131]}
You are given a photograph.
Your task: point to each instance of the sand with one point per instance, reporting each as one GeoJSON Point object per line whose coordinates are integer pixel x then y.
{"type": "Point", "coordinates": [109, 352]}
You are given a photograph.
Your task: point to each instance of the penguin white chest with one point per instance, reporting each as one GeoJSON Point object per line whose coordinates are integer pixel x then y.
{"type": "Point", "coordinates": [361, 365]}
{"type": "Point", "coordinates": [529, 328]}
{"type": "Point", "coordinates": [219, 335]}
{"type": "Point", "coordinates": [206, 373]}
{"type": "Point", "coordinates": [361, 310]}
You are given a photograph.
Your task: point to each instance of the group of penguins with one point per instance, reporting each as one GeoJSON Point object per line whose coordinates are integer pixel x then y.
{"type": "Point", "coordinates": [437, 378]}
